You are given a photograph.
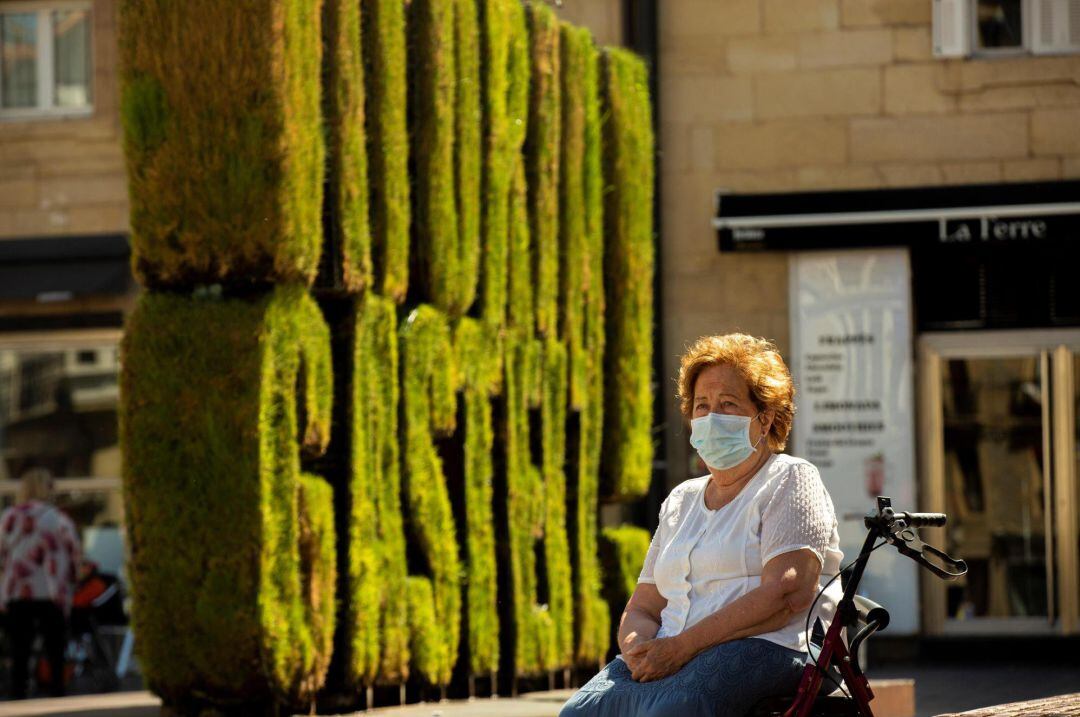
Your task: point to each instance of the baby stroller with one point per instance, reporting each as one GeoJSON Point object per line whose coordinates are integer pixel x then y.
{"type": "Point", "coordinates": [97, 618]}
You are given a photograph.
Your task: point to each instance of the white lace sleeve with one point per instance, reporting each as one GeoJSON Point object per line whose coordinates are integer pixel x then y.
{"type": "Point", "coordinates": [799, 515]}
{"type": "Point", "coordinates": [655, 547]}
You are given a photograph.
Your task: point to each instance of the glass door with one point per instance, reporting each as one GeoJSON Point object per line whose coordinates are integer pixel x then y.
{"type": "Point", "coordinates": [998, 441]}
{"type": "Point", "coordinates": [996, 488]}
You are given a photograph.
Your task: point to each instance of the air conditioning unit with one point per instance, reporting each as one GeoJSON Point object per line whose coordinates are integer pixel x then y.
{"type": "Point", "coordinates": [1054, 26]}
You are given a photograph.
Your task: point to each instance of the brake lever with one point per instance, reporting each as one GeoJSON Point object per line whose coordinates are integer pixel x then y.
{"type": "Point", "coordinates": [907, 541]}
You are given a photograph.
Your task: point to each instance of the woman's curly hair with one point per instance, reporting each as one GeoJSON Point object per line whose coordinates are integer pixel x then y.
{"type": "Point", "coordinates": [759, 363]}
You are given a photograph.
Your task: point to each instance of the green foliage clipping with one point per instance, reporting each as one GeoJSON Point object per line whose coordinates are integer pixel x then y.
{"type": "Point", "coordinates": [542, 162]}
{"type": "Point", "coordinates": [468, 124]}
{"type": "Point", "coordinates": [534, 644]}
{"type": "Point", "coordinates": [232, 572]}
{"type": "Point", "coordinates": [318, 572]}
{"type": "Point", "coordinates": [628, 273]}
{"type": "Point", "coordinates": [556, 544]}
{"type": "Point", "coordinates": [497, 158]}
{"type": "Point", "coordinates": [592, 616]}
{"type": "Point", "coordinates": [624, 548]}
{"type": "Point", "coordinates": [377, 622]}
{"type": "Point", "coordinates": [479, 370]}
{"type": "Point", "coordinates": [388, 143]}
{"type": "Point", "coordinates": [429, 409]}
{"type": "Point", "coordinates": [343, 77]}
{"type": "Point", "coordinates": [225, 157]}
{"type": "Point", "coordinates": [576, 54]}
{"type": "Point", "coordinates": [432, 115]}
{"type": "Point", "coordinates": [520, 308]}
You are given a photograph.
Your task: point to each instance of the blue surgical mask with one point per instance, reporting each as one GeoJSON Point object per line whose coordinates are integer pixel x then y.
{"type": "Point", "coordinates": [723, 441]}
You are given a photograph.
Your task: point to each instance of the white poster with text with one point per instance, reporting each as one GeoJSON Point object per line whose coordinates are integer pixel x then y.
{"type": "Point", "coordinates": [852, 364]}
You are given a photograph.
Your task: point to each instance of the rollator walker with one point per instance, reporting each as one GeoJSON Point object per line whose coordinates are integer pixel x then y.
{"type": "Point", "coordinates": [862, 618]}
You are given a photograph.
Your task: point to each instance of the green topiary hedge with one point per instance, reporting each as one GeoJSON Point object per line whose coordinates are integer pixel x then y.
{"type": "Point", "coordinates": [592, 615]}
{"type": "Point", "coordinates": [534, 635]}
{"type": "Point", "coordinates": [432, 108]}
{"type": "Point", "coordinates": [542, 162]}
{"type": "Point", "coordinates": [343, 75]}
{"type": "Point", "coordinates": [429, 409]}
{"type": "Point", "coordinates": [624, 548]}
{"type": "Point", "coordinates": [496, 163]}
{"type": "Point", "coordinates": [230, 597]}
{"type": "Point", "coordinates": [468, 127]}
{"type": "Point", "coordinates": [383, 23]}
{"type": "Point", "coordinates": [628, 273]}
{"type": "Point", "coordinates": [576, 54]}
{"type": "Point", "coordinates": [377, 622]}
{"type": "Point", "coordinates": [224, 156]}
{"type": "Point", "coordinates": [556, 544]}
{"type": "Point", "coordinates": [479, 366]}
{"type": "Point", "coordinates": [318, 572]}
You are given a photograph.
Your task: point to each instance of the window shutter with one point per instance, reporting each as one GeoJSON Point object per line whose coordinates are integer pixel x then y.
{"type": "Point", "coordinates": [952, 28]}
{"type": "Point", "coordinates": [1055, 26]}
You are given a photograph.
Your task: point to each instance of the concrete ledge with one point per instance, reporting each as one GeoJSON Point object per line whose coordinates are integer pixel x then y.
{"type": "Point", "coordinates": [893, 698]}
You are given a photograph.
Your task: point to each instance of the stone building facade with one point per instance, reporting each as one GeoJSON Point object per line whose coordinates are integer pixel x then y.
{"type": "Point", "coordinates": [779, 95]}
{"type": "Point", "coordinates": [753, 96]}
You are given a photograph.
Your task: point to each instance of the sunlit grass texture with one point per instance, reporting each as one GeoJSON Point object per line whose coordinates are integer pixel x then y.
{"type": "Point", "coordinates": [225, 158]}
{"type": "Point", "coordinates": [230, 599]}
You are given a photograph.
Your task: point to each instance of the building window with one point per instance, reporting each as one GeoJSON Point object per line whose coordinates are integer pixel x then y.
{"type": "Point", "coordinates": [45, 59]}
{"type": "Point", "coordinates": [989, 28]}
{"type": "Point", "coordinates": [999, 26]}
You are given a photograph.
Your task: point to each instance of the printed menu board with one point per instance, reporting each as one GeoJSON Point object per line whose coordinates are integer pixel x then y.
{"type": "Point", "coordinates": [851, 358]}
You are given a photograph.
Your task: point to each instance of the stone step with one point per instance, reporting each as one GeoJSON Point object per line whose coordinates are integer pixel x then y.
{"type": "Point", "coordinates": [1060, 706]}
{"type": "Point", "coordinates": [893, 698]}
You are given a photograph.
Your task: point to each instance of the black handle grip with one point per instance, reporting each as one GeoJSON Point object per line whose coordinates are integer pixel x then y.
{"type": "Point", "coordinates": [869, 611]}
{"type": "Point", "coordinates": [920, 520]}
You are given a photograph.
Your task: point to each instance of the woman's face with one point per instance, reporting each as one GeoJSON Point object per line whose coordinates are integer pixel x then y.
{"type": "Point", "coordinates": [720, 389]}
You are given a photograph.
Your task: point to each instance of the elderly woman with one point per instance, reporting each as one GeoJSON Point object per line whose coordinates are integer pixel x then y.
{"type": "Point", "coordinates": [717, 620]}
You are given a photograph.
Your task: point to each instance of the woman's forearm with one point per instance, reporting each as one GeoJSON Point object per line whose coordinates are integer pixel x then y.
{"type": "Point", "coordinates": [772, 624]}
{"type": "Point", "coordinates": [635, 626]}
{"type": "Point", "coordinates": [759, 611]}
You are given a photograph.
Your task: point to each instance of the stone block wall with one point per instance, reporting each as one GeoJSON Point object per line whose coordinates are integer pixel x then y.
{"type": "Point", "coordinates": [789, 95]}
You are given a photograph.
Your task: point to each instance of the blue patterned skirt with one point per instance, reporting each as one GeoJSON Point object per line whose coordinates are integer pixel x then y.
{"type": "Point", "coordinates": [723, 681]}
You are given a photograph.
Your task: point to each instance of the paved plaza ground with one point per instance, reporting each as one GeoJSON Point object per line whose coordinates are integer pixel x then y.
{"type": "Point", "coordinates": [938, 690]}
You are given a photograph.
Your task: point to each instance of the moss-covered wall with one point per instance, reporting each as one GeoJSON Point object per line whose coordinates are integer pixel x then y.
{"type": "Point", "coordinates": [347, 181]}
{"type": "Point", "coordinates": [220, 107]}
{"type": "Point", "coordinates": [479, 376]}
{"type": "Point", "coordinates": [628, 273]}
{"type": "Point", "coordinates": [383, 41]}
{"type": "Point", "coordinates": [230, 597]}
{"type": "Point", "coordinates": [623, 548]}
{"type": "Point", "coordinates": [493, 276]}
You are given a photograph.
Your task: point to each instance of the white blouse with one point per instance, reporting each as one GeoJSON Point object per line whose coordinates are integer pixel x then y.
{"type": "Point", "coordinates": [701, 560]}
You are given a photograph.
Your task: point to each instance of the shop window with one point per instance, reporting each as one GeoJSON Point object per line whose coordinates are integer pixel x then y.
{"type": "Point", "coordinates": [45, 59]}
{"type": "Point", "coordinates": [59, 412]}
{"type": "Point", "coordinates": [995, 286]}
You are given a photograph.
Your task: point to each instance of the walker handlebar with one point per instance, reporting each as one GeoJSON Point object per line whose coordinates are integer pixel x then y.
{"type": "Point", "coordinates": [899, 529]}
{"type": "Point", "coordinates": [920, 520]}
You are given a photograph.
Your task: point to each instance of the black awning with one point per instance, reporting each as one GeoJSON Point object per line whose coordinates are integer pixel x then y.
{"type": "Point", "coordinates": [957, 215]}
{"type": "Point", "coordinates": [63, 268]}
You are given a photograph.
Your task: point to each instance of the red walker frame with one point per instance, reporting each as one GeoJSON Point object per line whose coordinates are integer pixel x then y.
{"type": "Point", "coordinates": [898, 529]}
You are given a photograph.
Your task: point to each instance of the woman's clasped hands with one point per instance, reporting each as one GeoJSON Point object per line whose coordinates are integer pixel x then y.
{"type": "Point", "coordinates": [656, 659]}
